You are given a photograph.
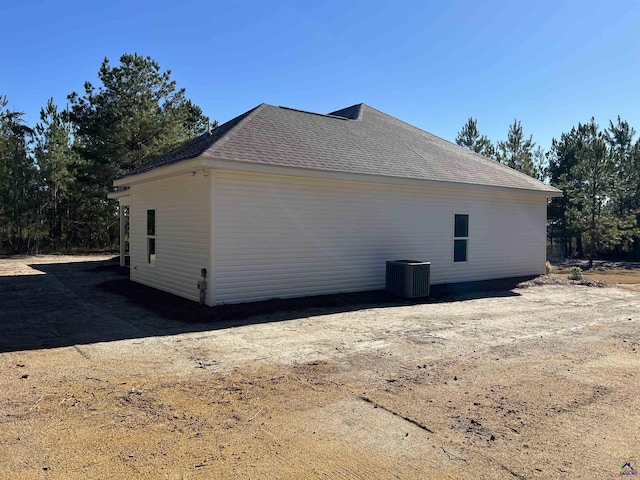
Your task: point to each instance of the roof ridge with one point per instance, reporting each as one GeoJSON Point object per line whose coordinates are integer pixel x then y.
{"type": "Point", "coordinates": [228, 134]}
{"type": "Point", "coordinates": [360, 109]}
{"type": "Point", "coordinates": [314, 113]}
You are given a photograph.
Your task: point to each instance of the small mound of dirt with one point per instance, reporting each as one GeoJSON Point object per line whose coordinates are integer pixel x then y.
{"type": "Point", "coordinates": [553, 279]}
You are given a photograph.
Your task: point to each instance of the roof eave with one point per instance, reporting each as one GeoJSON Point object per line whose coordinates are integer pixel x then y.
{"type": "Point", "coordinates": [261, 168]}
{"type": "Point", "coordinates": [158, 173]}
{"type": "Point", "coordinates": [202, 162]}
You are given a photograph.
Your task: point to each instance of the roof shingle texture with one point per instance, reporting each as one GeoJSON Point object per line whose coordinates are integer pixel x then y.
{"type": "Point", "coordinates": [358, 139]}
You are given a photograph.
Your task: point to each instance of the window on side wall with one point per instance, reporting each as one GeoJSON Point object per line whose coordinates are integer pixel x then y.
{"type": "Point", "coordinates": [151, 237]}
{"type": "Point", "coordinates": [460, 237]}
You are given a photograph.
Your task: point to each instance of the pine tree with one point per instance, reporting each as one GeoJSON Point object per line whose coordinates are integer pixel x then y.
{"type": "Point", "coordinates": [469, 137]}
{"type": "Point", "coordinates": [625, 197]}
{"type": "Point", "coordinates": [540, 164]}
{"type": "Point", "coordinates": [517, 152]}
{"type": "Point", "coordinates": [563, 156]}
{"type": "Point", "coordinates": [594, 175]}
{"type": "Point", "coordinates": [19, 193]}
{"type": "Point", "coordinates": [55, 158]}
{"type": "Point", "coordinates": [136, 113]}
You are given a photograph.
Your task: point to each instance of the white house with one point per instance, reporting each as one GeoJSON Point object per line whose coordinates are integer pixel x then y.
{"type": "Point", "coordinates": [281, 203]}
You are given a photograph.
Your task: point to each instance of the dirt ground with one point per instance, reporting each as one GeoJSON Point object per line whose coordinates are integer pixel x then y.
{"type": "Point", "coordinates": [538, 382]}
{"type": "Point", "coordinates": [622, 273]}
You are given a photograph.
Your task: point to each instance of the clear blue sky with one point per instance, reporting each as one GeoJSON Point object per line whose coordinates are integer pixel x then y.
{"type": "Point", "coordinates": [550, 64]}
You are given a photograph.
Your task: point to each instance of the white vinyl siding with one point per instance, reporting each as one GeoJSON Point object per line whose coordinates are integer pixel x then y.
{"type": "Point", "coordinates": [283, 236]}
{"type": "Point", "coordinates": [182, 231]}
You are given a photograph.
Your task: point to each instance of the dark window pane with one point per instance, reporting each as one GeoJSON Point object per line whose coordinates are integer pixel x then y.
{"type": "Point", "coordinates": [461, 226]}
{"type": "Point", "coordinates": [151, 254]}
{"type": "Point", "coordinates": [459, 250]}
{"type": "Point", "coordinates": [151, 222]}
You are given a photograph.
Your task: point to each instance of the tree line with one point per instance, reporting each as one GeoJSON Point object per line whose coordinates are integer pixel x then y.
{"type": "Point", "coordinates": [55, 176]}
{"type": "Point", "coordinates": [598, 171]}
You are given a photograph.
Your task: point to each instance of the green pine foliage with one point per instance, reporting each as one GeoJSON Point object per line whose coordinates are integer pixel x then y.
{"type": "Point", "coordinates": [517, 151]}
{"type": "Point", "coordinates": [598, 214]}
{"type": "Point", "coordinates": [54, 178]}
{"type": "Point", "coordinates": [136, 113]}
{"type": "Point", "coordinates": [56, 159]}
{"type": "Point", "coordinates": [19, 184]}
{"type": "Point", "coordinates": [469, 137]}
{"type": "Point", "coordinates": [590, 196]}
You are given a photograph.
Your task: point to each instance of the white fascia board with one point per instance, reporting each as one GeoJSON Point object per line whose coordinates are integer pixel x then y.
{"type": "Point", "coordinates": [118, 194]}
{"type": "Point", "coordinates": [179, 168]}
{"type": "Point", "coordinates": [123, 197]}
{"type": "Point", "coordinates": [199, 163]}
{"type": "Point", "coordinates": [355, 177]}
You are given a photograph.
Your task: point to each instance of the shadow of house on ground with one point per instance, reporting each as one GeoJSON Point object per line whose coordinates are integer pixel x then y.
{"type": "Point", "coordinates": [91, 302]}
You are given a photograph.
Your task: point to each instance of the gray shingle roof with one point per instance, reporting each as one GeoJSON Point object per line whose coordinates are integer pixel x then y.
{"type": "Point", "coordinates": [357, 139]}
{"type": "Point", "coordinates": [191, 149]}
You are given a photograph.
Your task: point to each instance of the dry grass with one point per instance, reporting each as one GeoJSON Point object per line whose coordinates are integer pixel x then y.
{"type": "Point", "coordinates": [603, 274]}
{"type": "Point", "coordinates": [618, 276]}
{"type": "Point", "coordinates": [608, 271]}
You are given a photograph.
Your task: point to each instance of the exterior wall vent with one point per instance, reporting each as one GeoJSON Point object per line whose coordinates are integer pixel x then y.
{"type": "Point", "coordinates": [408, 278]}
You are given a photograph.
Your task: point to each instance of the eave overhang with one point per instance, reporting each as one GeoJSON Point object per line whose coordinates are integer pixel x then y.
{"type": "Point", "coordinates": [205, 163]}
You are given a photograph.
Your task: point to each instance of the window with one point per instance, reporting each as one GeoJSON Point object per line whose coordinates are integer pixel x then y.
{"type": "Point", "coordinates": [151, 222]}
{"type": "Point", "coordinates": [151, 237]}
{"type": "Point", "coordinates": [460, 250]}
{"type": "Point", "coordinates": [460, 237]}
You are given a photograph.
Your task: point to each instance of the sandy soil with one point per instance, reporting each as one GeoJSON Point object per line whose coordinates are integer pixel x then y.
{"type": "Point", "coordinates": [539, 382]}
